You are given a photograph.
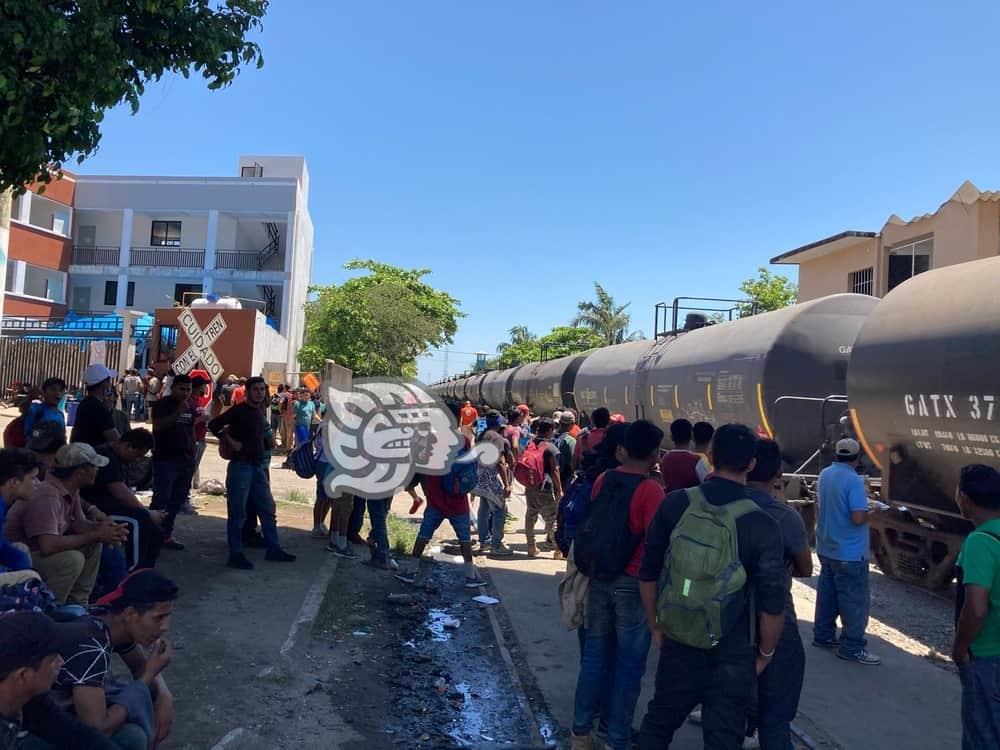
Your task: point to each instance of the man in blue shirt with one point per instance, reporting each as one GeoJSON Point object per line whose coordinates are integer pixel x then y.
{"type": "Point", "coordinates": [842, 545]}
{"type": "Point", "coordinates": [18, 479]}
{"type": "Point", "coordinates": [48, 410]}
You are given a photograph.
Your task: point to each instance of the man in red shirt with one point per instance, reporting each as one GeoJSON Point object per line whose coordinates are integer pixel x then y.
{"type": "Point", "coordinates": [588, 440]}
{"type": "Point", "coordinates": [467, 417]}
{"type": "Point", "coordinates": [679, 467]}
{"type": "Point", "coordinates": [442, 505]}
{"type": "Point", "coordinates": [615, 646]}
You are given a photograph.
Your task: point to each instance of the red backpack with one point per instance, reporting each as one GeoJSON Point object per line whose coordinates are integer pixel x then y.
{"type": "Point", "coordinates": [530, 467]}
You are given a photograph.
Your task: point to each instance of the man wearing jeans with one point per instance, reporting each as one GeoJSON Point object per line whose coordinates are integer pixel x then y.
{"type": "Point", "coordinates": [976, 650]}
{"type": "Point", "coordinates": [173, 454]}
{"type": "Point", "coordinates": [241, 434]}
{"type": "Point", "coordinates": [842, 545]}
{"type": "Point", "coordinates": [617, 638]}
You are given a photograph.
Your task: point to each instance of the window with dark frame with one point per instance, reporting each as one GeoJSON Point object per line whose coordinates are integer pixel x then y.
{"type": "Point", "coordinates": [111, 293]}
{"type": "Point", "coordinates": [167, 342]}
{"type": "Point", "coordinates": [906, 261]}
{"type": "Point", "coordinates": [862, 282]}
{"type": "Point", "coordinates": [165, 234]}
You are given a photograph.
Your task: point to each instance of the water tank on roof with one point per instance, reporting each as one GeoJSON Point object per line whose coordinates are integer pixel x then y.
{"type": "Point", "coordinates": [213, 302]}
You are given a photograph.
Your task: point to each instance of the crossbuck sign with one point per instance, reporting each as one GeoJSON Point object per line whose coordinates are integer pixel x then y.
{"type": "Point", "coordinates": [201, 344]}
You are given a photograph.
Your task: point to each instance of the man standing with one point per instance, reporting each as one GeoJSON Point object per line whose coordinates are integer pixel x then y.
{"type": "Point", "coordinates": [200, 399]}
{"type": "Point", "coordinates": [588, 440]}
{"type": "Point", "coordinates": [467, 417]}
{"type": "Point", "coordinates": [703, 433]}
{"type": "Point", "coordinates": [842, 545]}
{"type": "Point", "coordinates": [241, 430]}
{"type": "Point", "coordinates": [679, 466]}
{"type": "Point", "coordinates": [565, 443]}
{"type": "Point", "coordinates": [131, 393]}
{"type": "Point", "coordinates": [543, 499]}
{"type": "Point", "coordinates": [707, 657]}
{"type": "Point", "coordinates": [173, 454]}
{"type": "Point", "coordinates": [616, 643]}
{"type": "Point", "coordinates": [493, 489]}
{"type": "Point", "coordinates": [94, 424]}
{"type": "Point", "coordinates": [780, 684]}
{"type": "Point", "coordinates": [65, 546]}
{"type": "Point", "coordinates": [153, 387]}
{"type": "Point", "coordinates": [304, 410]}
{"type": "Point", "coordinates": [976, 650]}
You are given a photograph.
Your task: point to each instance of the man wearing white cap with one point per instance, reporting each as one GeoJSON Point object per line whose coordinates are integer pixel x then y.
{"type": "Point", "coordinates": [94, 424]}
{"type": "Point", "coordinates": [65, 546]}
{"type": "Point", "coordinates": [842, 545]}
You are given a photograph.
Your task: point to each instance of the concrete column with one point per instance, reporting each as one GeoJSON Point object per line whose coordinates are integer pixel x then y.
{"type": "Point", "coordinates": [211, 239]}
{"type": "Point", "coordinates": [126, 241]}
{"type": "Point", "coordinates": [126, 356]}
{"type": "Point", "coordinates": [207, 284]}
{"type": "Point", "coordinates": [19, 271]}
{"type": "Point", "coordinates": [24, 216]}
{"type": "Point", "coordinates": [291, 237]}
{"type": "Point", "coordinates": [122, 296]}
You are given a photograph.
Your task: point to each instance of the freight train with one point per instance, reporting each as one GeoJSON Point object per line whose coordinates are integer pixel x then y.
{"type": "Point", "coordinates": [912, 376]}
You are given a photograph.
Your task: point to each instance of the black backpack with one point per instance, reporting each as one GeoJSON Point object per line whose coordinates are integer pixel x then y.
{"type": "Point", "coordinates": [604, 543]}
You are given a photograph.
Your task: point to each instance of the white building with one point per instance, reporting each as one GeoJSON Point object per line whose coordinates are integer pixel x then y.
{"type": "Point", "coordinates": [150, 242]}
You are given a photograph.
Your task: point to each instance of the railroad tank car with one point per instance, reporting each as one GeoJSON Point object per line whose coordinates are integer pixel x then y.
{"type": "Point", "coordinates": [494, 387]}
{"type": "Point", "coordinates": [925, 401]}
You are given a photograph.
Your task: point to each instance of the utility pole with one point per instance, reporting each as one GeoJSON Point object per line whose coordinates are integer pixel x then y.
{"type": "Point", "coordinates": [444, 372]}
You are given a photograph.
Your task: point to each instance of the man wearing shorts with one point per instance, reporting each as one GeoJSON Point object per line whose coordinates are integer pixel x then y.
{"type": "Point", "coordinates": [443, 505]}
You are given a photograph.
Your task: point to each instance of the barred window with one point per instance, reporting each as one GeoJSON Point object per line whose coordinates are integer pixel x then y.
{"type": "Point", "coordinates": [861, 282]}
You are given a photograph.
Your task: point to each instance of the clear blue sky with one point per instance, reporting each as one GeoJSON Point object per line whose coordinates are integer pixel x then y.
{"type": "Point", "coordinates": [523, 150]}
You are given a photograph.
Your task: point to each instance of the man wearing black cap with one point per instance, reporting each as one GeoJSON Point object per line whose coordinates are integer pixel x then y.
{"type": "Point", "coordinates": [29, 663]}
{"type": "Point", "coordinates": [137, 613]}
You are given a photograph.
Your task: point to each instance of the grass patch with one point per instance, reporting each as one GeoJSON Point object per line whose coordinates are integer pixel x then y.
{"type": "Point", "coordinates": [298, 497]}
{"type": "Point", "coordinates": [338, 607]}
{"type": "Point", "coordinates": [402, 534]}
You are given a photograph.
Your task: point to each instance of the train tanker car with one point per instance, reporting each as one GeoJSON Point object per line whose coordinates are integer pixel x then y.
{"type": "Point", "coordinates": [925, 400]}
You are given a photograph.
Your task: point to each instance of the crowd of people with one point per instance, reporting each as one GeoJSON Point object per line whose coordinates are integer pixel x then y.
{"type": "Point", "coordinates": [687, 547]}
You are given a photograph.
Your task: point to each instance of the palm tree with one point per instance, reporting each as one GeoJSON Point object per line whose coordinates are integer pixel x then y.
{"type": "Point", "coordinates": [518, 335]}
{"type": "Point", "coordinates": [605, 318]}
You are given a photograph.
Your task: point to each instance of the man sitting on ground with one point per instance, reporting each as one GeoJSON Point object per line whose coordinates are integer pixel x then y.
{"type": "Point", "coordinates": [133, 622]}
{"type": "Point", "coordinates": [18, 479]}
{"type": "Point", "coordinates": [112, 494]}
{"type": "Point", "coordinates": [29, 664]}
{"type": "Point", "coordinates": [65, 546]}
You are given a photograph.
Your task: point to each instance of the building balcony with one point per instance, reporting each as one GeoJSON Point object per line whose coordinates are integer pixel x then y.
{"type": "Point", "coordinates": [246, 260]}
{"type": "Point", "coordinates": [167, 257]}
{"type": "Point", "coordinates": [105, 255]}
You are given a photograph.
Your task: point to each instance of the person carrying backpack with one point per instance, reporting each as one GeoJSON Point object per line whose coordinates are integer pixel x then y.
{"type": "Point", "coordinates": [608, 549]}
{"type": "Point", "coordinates": [538, 470]}
{"type": "Point", "coordinates": [588, 440]}
{"type": "Point", "coordinates": [566, 444]}
{"type": "Point", "coordinates": [493, 489]}
{"type": "Point", "coordinates": [700, 607]}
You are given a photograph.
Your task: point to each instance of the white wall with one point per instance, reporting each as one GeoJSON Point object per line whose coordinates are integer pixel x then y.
{"type": "Point", "coordinates": [268, 345]}
{"type": "Point", "coordinates": [194, 228]}
{"type": "Point", "coordinates": [151, 292]}
{"type": "Point", "coordinates": [151, 194]}
{"type": "Point", "coordinates": [108, 226]}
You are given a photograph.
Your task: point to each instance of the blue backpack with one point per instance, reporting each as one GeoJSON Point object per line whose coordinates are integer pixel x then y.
{"type": "Point", "coordinates": [572, 510]}
{"type": "Point", "coordinates": [462, 477]}
{"type": "Point", "coordinates": [304, 459]}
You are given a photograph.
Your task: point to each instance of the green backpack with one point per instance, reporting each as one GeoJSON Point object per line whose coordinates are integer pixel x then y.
{"type": "Point", "coordinates": [701, 588]}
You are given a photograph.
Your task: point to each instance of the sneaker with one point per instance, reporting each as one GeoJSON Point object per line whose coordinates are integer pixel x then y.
{"type": "Point", "coordinates": [276, 554]}
{"type": "Point", "coordinates": [255, 542]}
{"type": "Point", "coordinates": [483, 549]}
{"type": "Point", "coordinates": [345, 552]}
{"type": "Point", "coordinates": [239, 562]}
{"type": "Point", "coordinates": [188, 509]}
{"type": "Point", "coordinates": [474, 583]}
{"type": "Point", "coordinates": [826, 644]}
{"type": "Point", "coordinates": [532, 550]}
{"type": "Point", "coordinates": [171, 543]}
{"type": "Point", "coordinates": [862, 657]}
{"type": "Point", "coordinates": [501, 550]}
{"type": "Point", "coordinates": [416, 506]}
{"type": "Point", "coordinates": [320, 532]}
{"type": "Point", "coordinates": [356, 539]}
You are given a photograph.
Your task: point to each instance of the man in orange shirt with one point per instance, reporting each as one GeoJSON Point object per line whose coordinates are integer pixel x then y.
{"type": "Point", "coordinates": [467, 417]}
{"type": "Point", "coordinates": [240, 392]}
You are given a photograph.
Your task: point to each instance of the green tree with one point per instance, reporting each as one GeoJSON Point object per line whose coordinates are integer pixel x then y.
{"type": "Point", "coordinates": [377, 324]}
{"type": "Point", "coordinates": [65, 62]}
{"type": "Point", "coordinates": [605, 317]}
{"type": "Point", "coordinates": [558, 342]}
{"type": "Point", "coordinates": [518, 335]}
{"type": "Point", "coordinates": [769, 291]}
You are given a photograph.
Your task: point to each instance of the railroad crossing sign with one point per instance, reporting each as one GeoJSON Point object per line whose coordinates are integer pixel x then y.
{"type": "Point", "coordinates": [201, 344]}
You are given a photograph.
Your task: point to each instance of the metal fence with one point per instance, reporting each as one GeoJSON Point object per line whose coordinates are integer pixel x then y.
{"type": "Point", "coordinates": [96, 256]}
{"type": "Point", "coordinates": [167, 257]}
{"type": "Point", "coordinates": [23, 361]}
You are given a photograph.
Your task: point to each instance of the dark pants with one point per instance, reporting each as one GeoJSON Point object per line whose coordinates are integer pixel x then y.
{"type": "Point", "coordinates": [378, 511]}
{"type": "Point", "coordinates": [171, 487]}
{"type": "Point", "coordinates": [148, 540]}
{"type": "Point", "coordinates": [778, 690]}
{"type": "Point", "coordinates": [357, 517]}
{"type": "Point", "coordinates": [842, 590]}
{"type": "Point", "coordinates": [721, 682]}
{"type": "Point", "coordinates": [980, 703]}
{"type": "Point", "coordinates": [616, 646]}
{"type": "Point", "coordinates": [603, 711]}
{"type": "Point", "coordinates": [246, 485]}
